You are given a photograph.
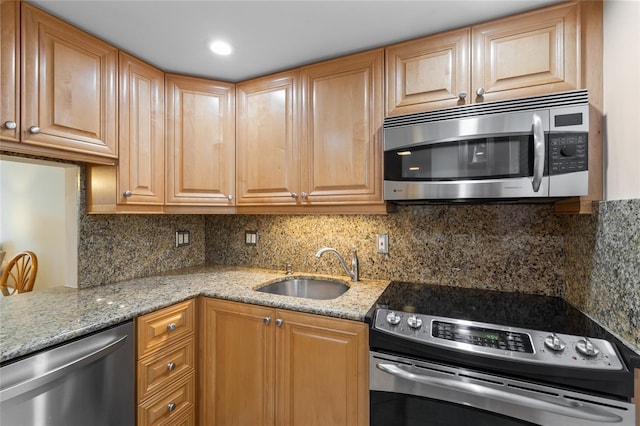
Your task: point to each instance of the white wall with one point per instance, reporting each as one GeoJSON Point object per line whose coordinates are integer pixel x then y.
{"type": "Point", "coordinates": [39, 212]}
{"type": "Point", "coordinates": [621, 76]}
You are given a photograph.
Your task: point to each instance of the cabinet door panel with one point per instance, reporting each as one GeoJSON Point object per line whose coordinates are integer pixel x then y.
{"type": "Point", "coordinates": [69, 87]}
{"type": "Point", "coordinates": [200, 141]}
{"type": "Point", "coordinates": [531, 54]}
{"type": "Point", "coordinates": [267, 140]}
{"type": "Point", "coordinates": [322, 371]}
{"type": "Point", "coordinates": [428, 73]}
{"type": "Point", "coordinates": [141, 165]}
{"type": "Point", "coordinates": [342, 132]}
{"type": "Point", "coordinates": [238, 365]}
{"type": "Point", "coordinates": [9, 69]}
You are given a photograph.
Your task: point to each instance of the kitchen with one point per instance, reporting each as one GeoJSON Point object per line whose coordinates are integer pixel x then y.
{"type": "Point", "coordinates": [590, 260]}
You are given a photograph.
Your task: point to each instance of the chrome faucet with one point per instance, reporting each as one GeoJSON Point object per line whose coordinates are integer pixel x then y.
{"type": "Point", "coordinates": [354, 261]}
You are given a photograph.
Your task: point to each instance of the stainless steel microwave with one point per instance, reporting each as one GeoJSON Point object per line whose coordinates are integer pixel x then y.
{"type": "Point", "coordinates": [530, 148]}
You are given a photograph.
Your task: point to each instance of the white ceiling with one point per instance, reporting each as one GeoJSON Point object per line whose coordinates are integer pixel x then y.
{"type": "Point", "coordinates": [267, 36]}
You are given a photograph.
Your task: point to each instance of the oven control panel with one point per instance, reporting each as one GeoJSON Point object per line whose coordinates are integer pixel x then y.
{"type": "Point", "coordinates": [497, 341]}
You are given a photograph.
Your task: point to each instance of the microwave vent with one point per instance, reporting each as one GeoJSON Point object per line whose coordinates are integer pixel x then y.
{"type": "Point", "coordinates": [573, 98]}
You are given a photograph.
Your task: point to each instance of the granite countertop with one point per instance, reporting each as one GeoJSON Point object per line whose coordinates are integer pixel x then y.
{"type": "Point", "coordinates": [33, 321]}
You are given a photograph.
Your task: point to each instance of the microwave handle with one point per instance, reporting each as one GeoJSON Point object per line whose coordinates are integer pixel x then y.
{"type": "Point", "coordinates": [538, 152]}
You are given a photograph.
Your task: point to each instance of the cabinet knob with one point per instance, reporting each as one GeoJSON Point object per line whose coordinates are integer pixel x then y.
{"type": "Point", "coordinates": [171, 366]}
{"type": "Point", "coordinates": [462, 95]}
{"type": "Point", "coordinates": [294, 195]}
{"type": "Point", "coordinates": [171, 406]}
{"type": "Point", "coordinates": [266, 320]}
{"type": "Point", "coordinates": [11, 125]}
{"type": "Point", "coordinates": [127, 193]}
{"type": "Point", "coordinates": [304, 195]}
{"type": "Point", "coordinates": [279, 322]}
{"type": "Point", "coordinates": [34, 130]}
{"type": "Point", "coordinates": [230, 197]}
{"type": "Point", "coordinates": [171, 326]}
{"type": "Point", "coordinates": [480, 91]}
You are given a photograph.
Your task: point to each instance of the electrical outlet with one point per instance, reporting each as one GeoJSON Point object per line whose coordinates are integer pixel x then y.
{"type": "Point", "coordinates": [182, 238]}
{"type": "Point", "coordinates": [383, 243]}
{"type": "Point", "coordinates": [251, 238]}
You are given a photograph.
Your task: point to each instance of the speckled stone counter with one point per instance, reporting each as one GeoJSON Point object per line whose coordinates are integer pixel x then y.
{"type": "Point", "coordinates": [34, 321]}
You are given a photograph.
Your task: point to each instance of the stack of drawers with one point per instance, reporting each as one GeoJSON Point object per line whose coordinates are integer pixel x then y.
{"type": "Point", "coordinates": [166, 366]}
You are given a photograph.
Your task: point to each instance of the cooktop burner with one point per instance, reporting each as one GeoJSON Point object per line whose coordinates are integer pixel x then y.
{"type": "Point", "coordinates": [433, 323]}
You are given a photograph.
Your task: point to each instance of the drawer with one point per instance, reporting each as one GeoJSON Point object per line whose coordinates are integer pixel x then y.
{"type": "Point", "coordinates": [163, 367]}
{"type": "Point", "coordinates": [170, 406]}
{"type": "Point", "coordinates": [164, 327]}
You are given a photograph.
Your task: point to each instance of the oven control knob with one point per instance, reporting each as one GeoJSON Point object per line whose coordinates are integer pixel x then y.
{"type": "Point", "coordinates": [554, 343]}
{"type": "Point", "coordinates": [393, 318]}
{"type": "Point", "coordinates": [414, 321]}
{"type": "Point", "coordinates": [587, 348]}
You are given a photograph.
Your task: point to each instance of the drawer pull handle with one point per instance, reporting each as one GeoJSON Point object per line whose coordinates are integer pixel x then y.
{"type": "Point", "coordinates": [171, 406]}
{"type": "Point", "coordinates": [171, 326]}
{"type": "Point", "coordinates": [266, 320]}
{"type": "Point", "coordinates": [279, 322]}
{"type": "Point", "coordinates": [171, 366]}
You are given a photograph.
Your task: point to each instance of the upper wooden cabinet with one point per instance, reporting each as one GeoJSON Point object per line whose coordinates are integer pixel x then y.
{"type": "Point", "coordinates": [69, 90]}
{"type": "Point", "coordinates": [200, 142]}
{"type": "Point", "coordinates": [9, 71]}
{"type": "Point", "coordinates": [267, 141]}
{"type": "Point", "coordinates": [342, 113]}
{"type": "Point", "coordinates": [265, 366]}
{"type": "Point", "coordinates": [136, 183]}
{"type": "Point", "coordinates": [431, 72]}
{"type": "Point", "coordinates": [524, 55]}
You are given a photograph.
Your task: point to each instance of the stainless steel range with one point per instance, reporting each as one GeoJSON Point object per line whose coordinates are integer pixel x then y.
{"type": "Point", "coordinates": [454, 356]}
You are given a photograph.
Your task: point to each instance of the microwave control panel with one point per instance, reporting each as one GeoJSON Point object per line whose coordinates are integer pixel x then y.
{"type": "Point", "coordinates": [568, 153]}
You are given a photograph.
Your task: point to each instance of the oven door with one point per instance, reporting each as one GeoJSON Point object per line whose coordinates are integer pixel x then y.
{"type": "Point", "coordinates": [496, 156]}
{"type": "Point", "coordinates": [409, 392]}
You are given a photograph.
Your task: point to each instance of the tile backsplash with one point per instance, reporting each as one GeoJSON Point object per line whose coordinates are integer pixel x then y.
{"type": "Point", "coordinates": [502, 247]}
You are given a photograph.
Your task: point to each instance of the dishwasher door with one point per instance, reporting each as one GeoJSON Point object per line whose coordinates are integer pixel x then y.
{"type": "Point", "coordinates": [89, 381]}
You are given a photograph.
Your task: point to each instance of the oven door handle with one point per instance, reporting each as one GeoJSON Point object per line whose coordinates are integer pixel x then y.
{"type": "Point", "coordinates": [538, 152]}
{"type": "Point", "coordinates": [561, 406]}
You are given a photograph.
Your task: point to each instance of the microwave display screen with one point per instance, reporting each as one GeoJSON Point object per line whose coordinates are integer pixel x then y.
{"type": "Point", "coordinates": [484, 158]}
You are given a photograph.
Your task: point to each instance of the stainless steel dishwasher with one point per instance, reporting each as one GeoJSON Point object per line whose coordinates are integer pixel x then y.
{"type": "Point", "coordinates": [89, 381]}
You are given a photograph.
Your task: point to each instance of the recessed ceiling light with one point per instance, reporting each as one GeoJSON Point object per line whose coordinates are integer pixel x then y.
{"type": "Point", "coordinates": [220, 48]}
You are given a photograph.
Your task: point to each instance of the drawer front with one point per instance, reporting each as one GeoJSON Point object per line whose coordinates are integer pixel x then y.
{"type": "Point", "coordinates": [162, 368]}
{"type": "Point", "coordinates": [170, 406]}
{"type": "Point", "coordinates": [165, 326]}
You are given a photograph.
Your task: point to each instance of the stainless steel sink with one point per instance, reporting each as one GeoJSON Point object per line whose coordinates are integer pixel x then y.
{"type": "Point", "coordinates": [308, 288]}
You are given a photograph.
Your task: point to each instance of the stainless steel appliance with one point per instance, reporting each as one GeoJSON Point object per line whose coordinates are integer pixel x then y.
{"type": "Point", "coordinates": [89, 381]}
{"type": "Point", "coordinates": [451, 356]}
{"type": "Point", "coordinates": [530, 148]}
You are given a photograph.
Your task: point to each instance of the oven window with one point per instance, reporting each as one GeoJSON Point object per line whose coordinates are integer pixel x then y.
{"type": "Point", "coordinates": [395, 409]}
{"type": "Point", "coordinates": [485, 158]}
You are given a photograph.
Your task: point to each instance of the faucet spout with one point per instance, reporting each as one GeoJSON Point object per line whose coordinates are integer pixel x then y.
{"type": "Point", "coordinates": [353, 273]}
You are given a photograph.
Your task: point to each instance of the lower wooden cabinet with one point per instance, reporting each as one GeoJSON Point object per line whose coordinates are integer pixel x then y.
{"type": "Point", "coordinates": [265, 366]}
{"type": "Point", "coordinates": [166, 379]}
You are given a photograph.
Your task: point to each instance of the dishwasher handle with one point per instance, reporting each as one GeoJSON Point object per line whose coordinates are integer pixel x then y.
{"type": "Point", "coordinates": [62, 370]}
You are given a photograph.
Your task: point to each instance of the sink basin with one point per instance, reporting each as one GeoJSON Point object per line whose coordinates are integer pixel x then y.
{"type": "Point", "coordinates": [308, 288]}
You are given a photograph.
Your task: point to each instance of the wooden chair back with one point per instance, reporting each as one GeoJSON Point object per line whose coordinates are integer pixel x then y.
{"type": "Point", "coordinates": [20, 274]}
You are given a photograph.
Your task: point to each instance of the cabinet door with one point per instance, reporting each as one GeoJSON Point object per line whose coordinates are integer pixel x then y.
{"type": "Point", "coordinates": [141, 133]}
{"type": "Point", "coordinates": [9, 70]}
{"type": "Point", "coordinates": [200, 140]}
{"type": "Point", "coordinates": [428, 73]}
{"type": "Point", "coordinates": [322, 366]}
{"type": "Point", "coordinates": [237, 367]}
{"type": "Point", "coordinates": [529, 54]}
{"type": "Point", "coordinates": [69, 87]}
{"type": "Point", "coordinates": [267, 156]}
{"type": "Point", "coordinates": [342, 133]}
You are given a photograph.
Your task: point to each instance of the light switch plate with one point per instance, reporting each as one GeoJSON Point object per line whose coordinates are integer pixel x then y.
{"type": "Point", "coordinates": [251, 238]}
{"type": "Point", "coordinates": [182, 238]}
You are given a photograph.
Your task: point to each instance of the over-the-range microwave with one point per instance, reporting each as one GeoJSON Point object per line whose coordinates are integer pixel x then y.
{"type": "Point", "coordinates": [524, 149]}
